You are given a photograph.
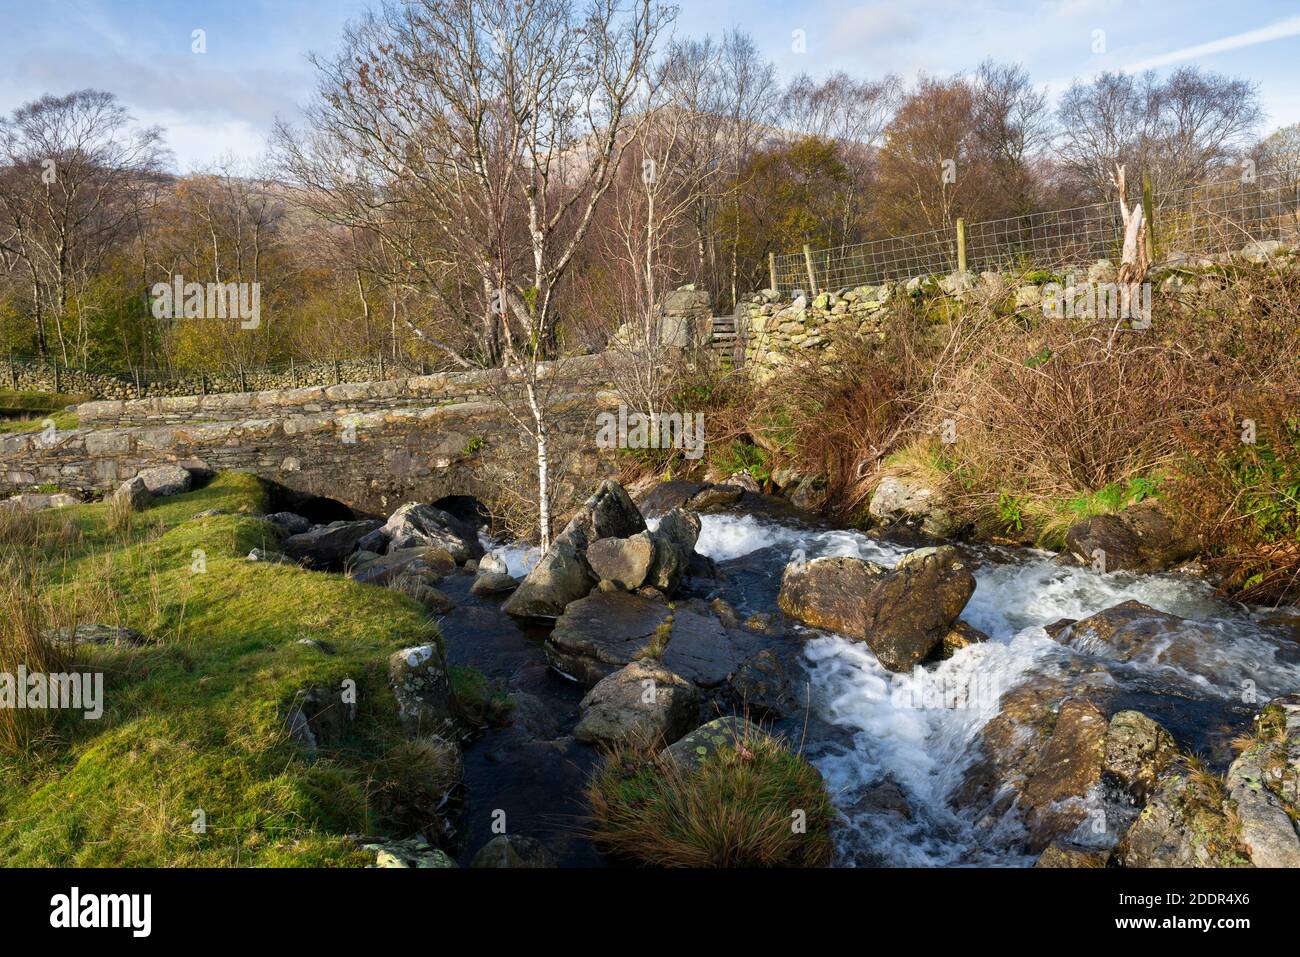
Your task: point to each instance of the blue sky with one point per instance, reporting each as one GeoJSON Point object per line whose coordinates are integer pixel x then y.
{"type": "Point", "coordinates": [255, 68]}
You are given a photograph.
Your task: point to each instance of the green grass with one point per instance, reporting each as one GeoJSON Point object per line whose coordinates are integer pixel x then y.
{"type": "Point", "coordinates": [41, 405]}
{"type": "Point", "coordinates": [741, 457]}
{"type": "Point", "coordinates": [196, 721]}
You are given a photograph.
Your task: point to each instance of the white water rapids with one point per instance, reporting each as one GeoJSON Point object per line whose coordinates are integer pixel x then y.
{"type": "Point", "coordinates": [919, 731]}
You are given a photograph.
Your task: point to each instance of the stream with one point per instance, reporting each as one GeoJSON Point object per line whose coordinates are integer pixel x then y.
{"type": "Point", "coordinates": [865, 728]}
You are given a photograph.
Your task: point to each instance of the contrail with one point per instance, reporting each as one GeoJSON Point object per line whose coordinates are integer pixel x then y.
{"type": "Point", "coordinates": [1289, 27]}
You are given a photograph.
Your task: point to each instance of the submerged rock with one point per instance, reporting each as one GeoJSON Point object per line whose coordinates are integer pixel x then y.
{"type": "Point", "coordinates": [641, 703]}
{"type": "Point", "coordinates": [1124, 631]}
{"type": "Point", "coordinates": [762, 686]}
{"type": "Point", "coordinates": [513, 850]}
{"type": "Point", "coordinates": [601, 633]}
{"type": "Point", "coordinates": [493, 583]}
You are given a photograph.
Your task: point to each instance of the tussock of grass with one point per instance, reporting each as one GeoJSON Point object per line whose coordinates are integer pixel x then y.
{"type": "Point", "coordinates": [195, 721]}
{"type": "Point", "coordinates": [738, 809]}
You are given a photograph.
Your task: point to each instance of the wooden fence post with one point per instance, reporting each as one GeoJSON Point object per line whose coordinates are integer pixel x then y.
{"type": "Point", "coordinates": [1149, 213]}
{"type": "Point", "coordinates": [812, 276]}
{"type": "Point", "coordinates": [338, 374]}
{"type": "Point", "coordinates": [58, 379]}
{"type": "Point", "coordinates": [771, 271]}
{"type": "Point", "coordinates": [961, 246]}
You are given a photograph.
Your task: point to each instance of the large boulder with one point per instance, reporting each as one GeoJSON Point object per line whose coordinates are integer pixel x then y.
{"type": "Point", "coordinates": [428, 564]}
{"type": "Point", "coordinates": [666, 496]}
{"type": "Point", "coordinates": [1263, 784]}
{"type": "Point", "coordinates": [1138, 751]}
{"type": "Point", "coordinates": [416, 525]}
{"type": "Point", "coordinates": [674, 542]}
{"type": "Point", "coordinates": [714, 498]}
{"type": "Point", "coordinates": [563, 574]}
{"type": "Point", "coordinates": [1140, 539]}
{"type": "Point", "coordinates": [903, 615]}
{"type": "Point", "coordinates": [599, 634]}
{"type": "Point", "coordinates": [290, 522]}
{"type": "Point", "coordinates": [166, 479]}
{"type": "Point", "coordinates": [703, 648]}
{"type": "Point", "coordinates": [905, 499]}
{"type": "Point", "coordinates": [135, 493]}
{"type": "Point", "coordinates": [626, 562]}
{"type": "Point", "coordinates": [327, 546]}
{"type": "Point", "coordinates": [688, 753]}
{"type": "Point", "coordinates": [418, 677]}
{"type": "Point", "coordinates": [1184, 824]}
{"type": "Point", "coordinates": [1067, 769]}
{"type": "Point", "coordinates": [641, 703]}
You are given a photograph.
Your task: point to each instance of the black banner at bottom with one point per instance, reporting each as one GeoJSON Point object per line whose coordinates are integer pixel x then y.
{"type": "Point", "coordinates": [335, 907]}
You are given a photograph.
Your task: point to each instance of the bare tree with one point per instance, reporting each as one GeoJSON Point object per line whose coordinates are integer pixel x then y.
{"type": "Point", "coordinates": [75, 172]}
{"type": "Point", "coordinates": [751, 98]}
{"type": "Point", "coordinates": [1012, 125]}
{"type": "Point", "coordinates": [1178, 132]}
{"type": "Point", "coordinates": [493, 128]}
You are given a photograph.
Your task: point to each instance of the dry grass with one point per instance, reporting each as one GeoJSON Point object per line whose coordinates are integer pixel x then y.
{"type": "Point", "coordinates": [738, 809]}
{"type": "Point", "coordinates": [25, 618]}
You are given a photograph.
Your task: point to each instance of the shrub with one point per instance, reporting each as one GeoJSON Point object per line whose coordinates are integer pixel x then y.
{"type": "Point", "coordinates": [735, 810]}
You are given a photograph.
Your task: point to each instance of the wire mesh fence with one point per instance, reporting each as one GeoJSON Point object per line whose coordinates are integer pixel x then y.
{"type": "Point", "coordinates": [1198, 221]}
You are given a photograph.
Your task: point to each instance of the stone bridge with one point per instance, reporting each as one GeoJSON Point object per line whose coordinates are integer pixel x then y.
{"type": "Point", "coordinates": [371, 446]}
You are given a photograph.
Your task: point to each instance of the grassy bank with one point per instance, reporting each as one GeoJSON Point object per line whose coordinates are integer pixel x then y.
{"type": "Point", "coordinates": [28, 411]}
{"type": "Point", "coordinates": [194, 721]}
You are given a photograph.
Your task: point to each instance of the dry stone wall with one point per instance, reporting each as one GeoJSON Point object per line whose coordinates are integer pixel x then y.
{"type": "Point", "coordinates": [450, 388]}
{"type": "Point", "coordinates": [372, 446]}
